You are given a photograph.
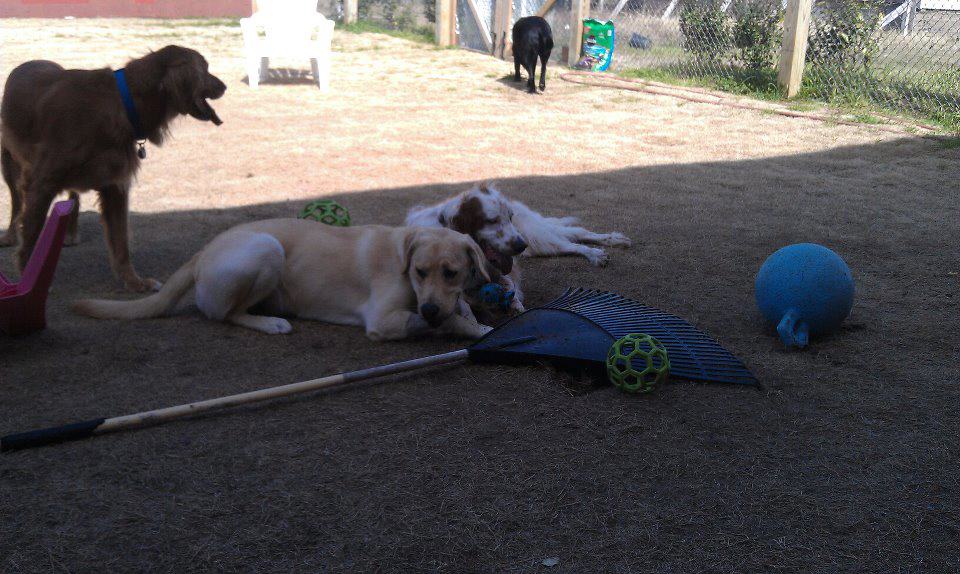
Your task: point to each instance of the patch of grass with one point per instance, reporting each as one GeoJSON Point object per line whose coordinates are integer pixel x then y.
{"type": "Point", "coordinates": [658, 53]}
{"type": "Point", "coordinates": [866, 118]}
{"type": "Point", "coordinates": [170, 35]}
{"type": "Point", "coordinates": [952, 142]}
{"type": "Point", "coordinates": [803, 105]}
{"type": "Point", "coordinates": [762, 85]}
{"type": "Point", "coordinates": [663, 76]}
{"type": "Point", "coordinates": [422, 35]}
{"type": "Point", "coordinates": [929, 97]}
{"type": "Point", "coordinates": [915, 102]}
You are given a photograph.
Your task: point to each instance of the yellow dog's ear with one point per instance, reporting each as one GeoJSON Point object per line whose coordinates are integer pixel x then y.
{"type": "Point", "coordinates": [477, 257]}
{"type": "Point", "coordinates": [409, 246]}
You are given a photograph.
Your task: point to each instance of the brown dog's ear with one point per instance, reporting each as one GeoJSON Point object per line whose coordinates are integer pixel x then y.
{"type": "Point", "coordinates": [478, 259]}
{"type": "Point", "coordinates": [469, 218]}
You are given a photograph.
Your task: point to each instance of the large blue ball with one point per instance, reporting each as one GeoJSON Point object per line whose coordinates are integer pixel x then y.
{"type": "Point", "coordinates": [809, 279]}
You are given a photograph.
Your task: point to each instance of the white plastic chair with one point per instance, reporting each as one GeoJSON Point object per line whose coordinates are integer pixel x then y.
{"type": "Point", "coordinates": [291, 28]}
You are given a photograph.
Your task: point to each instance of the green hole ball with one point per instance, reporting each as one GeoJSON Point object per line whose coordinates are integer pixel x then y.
{"type": "Point", "coordinates": [326, 211]}
{"type": "Point", "coordinates": [636, 363]}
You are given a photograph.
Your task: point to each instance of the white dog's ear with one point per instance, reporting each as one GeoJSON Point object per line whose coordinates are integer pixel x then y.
{"type": "Point", "coordinates": [478, 258]}
{"type": "Point", "coordinates": [409, 246]}
{"type": "Point", "coordinates": [448, 212]}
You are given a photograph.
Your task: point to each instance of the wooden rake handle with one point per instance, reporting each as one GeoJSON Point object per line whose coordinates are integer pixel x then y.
{"type": "Point", "coordinates": [81, 430]}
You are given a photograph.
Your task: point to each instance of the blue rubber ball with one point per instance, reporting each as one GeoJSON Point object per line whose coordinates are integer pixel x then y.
{"type": "Point", "coordinates": [804, 289]}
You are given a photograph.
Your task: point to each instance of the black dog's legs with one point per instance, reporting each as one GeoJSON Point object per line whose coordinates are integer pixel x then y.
{"type": "Point", "coordinates": [531, 66]}
{"type": "Point", "coordinates": [516, 67]}
{"type": "Point", "coordinates": [543, 70]}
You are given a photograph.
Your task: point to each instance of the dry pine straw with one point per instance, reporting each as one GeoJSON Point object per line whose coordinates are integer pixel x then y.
{"type": "Point", "coordinates": [843, 463]}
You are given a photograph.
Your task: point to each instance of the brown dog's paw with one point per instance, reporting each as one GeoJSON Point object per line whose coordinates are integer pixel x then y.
{"type": "Point", "coordinates": [138, 285]}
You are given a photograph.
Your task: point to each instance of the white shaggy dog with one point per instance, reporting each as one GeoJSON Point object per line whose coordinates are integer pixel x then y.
{"type": "Point", "coordinates": [505, 228]}
{"type": "Point", "coordinates": [496, 222]}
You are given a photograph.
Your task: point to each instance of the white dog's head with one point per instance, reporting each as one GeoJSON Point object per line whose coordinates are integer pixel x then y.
{"type": "Point", "coordinates": [441, 264]}
{"type": "Point", "coordinates": [485, 214]}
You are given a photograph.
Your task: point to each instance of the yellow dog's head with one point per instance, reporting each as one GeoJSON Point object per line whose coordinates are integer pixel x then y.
{"type": "Point", "coordinates": [441, 264]}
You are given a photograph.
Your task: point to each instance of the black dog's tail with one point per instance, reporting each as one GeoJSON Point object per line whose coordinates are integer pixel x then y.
{"type": "Point", "coordinates": [546, 43]}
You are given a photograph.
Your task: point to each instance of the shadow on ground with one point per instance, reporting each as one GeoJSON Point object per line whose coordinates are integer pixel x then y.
{"type": "Point", "coordinates": [509, 82]}
{"type": "Point", "coordinates": [843, 463]}
{"type": "Point", "coordinates": [284, 76]}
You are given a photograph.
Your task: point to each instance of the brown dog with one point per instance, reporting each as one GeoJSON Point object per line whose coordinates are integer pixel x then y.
{"type": "Point", "coordinates": [71, 130]}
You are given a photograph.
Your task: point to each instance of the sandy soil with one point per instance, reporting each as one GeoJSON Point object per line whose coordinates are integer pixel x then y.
{"type": "Point", "coordinates": [844, 462]}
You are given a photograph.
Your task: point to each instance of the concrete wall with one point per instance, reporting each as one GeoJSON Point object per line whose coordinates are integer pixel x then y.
{"type": "Point", "coordinates": [124, 8]}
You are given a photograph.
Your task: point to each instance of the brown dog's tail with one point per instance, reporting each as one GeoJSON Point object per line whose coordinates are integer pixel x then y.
{"type": "Point", "coordinates": [153, 306]}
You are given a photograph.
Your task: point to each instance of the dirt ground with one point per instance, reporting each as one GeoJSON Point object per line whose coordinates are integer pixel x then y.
{"type": "Point", "coordinates": [845, 461]}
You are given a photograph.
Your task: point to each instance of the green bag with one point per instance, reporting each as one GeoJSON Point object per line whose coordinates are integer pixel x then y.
{"type": "Point", "coordinates": [597, 47]}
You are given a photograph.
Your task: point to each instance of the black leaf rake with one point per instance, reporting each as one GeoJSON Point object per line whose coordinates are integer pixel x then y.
{"type": "Point", "coordinates": [573, 331]}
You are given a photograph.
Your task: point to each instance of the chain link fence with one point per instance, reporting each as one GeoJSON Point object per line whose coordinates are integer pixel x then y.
{"type": "Point", "coordinates": [475, 21]}
{"type": "Point", "coordinates": [474, 31]}
{"type": "Point", "coordinates": [697, 38]}
{"type": "Point", "coordinates": [902, 55]}
{"type": "Point", "coordinates": [331, 9]}
{"type": "Point", "coordinates": [404, 15]}
{"type": "Point", "coordinates": [559, 19]}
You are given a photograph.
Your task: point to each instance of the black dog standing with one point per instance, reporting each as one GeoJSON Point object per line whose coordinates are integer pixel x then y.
{"type": "Point", "coordinates": [532, 39]}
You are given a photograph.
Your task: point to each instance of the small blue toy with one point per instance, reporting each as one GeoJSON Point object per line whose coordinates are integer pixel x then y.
{"type": "Point", "coordinates": [495, 294]}
{"type": "Point", "coordinates": [804, 289]}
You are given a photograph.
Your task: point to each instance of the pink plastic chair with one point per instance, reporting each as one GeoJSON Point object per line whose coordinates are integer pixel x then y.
{"type": "Point", "coordinates": [23, 305]}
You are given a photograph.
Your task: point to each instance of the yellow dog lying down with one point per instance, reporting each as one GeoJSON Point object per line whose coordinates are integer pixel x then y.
{"type": "Point", "coordinates": [371, 276]}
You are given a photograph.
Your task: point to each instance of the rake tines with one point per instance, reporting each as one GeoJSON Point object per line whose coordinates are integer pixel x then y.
{"type": "Point", "coordinates": [693, 354]}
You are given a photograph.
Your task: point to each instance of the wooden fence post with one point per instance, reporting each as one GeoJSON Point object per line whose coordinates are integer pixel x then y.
{"type": "Point", "coordinates": [446, 14]}
{"type": "Point", "coordinates": [793, 53]}
{"type": "Point", "coordinates": [502, 20]}
{"type": "Point", "coordinates": [454, 35]}
{"type": "Point", "coordinates": [579, 11]}
{"type": "Point", "coordinates": [350, 11]}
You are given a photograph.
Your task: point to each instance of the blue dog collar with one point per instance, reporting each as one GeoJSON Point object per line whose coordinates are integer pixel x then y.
{"type": "Point", "coordinates": [132, 115]}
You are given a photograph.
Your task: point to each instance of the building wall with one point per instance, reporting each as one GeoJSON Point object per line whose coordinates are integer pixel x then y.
{"type": "Point", "coordinates": [124, 8]}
